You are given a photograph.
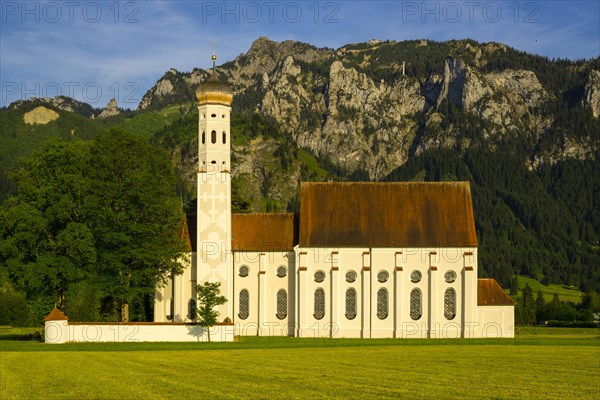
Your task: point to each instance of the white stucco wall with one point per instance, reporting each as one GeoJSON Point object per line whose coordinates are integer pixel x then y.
{"type": "Point", "coordinates": [262, 284]}
{"type": "Point", "coordinates": [495, 322]}
{"type": "Point", "coordinates": [185, 290]}
{"type": "Point", "coordinates": [432, 263]}
{"type": "Point", "coordinates": [57, 332]}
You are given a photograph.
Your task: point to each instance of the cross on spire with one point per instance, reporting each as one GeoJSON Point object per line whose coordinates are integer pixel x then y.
{"type": "Point", "coordinates": [214, 56]}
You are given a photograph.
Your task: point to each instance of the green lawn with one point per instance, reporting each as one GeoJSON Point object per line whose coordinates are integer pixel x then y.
{"type": "Point", "coordinates": [542, 363]}
{"type": "Point", "coordinates": [565, 293]}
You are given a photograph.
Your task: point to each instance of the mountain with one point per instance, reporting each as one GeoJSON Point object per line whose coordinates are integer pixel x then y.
{"type": "Point", "coordinates": [522, 128]}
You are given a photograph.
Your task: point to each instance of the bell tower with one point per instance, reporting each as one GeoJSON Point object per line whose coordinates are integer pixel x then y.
{"type": "Point", "coordinates": [214, 259]}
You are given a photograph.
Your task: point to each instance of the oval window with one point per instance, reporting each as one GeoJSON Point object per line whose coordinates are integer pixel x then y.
{"type": "Point", "coordinates": [450, 276]}
{"type": "Point", "coordinates": [281, 271]}
{"type": "Point", "coordinates": [415, 276]}
{"type": "Point", "coordinates": [319, 276]}
{"type": "Point", "coordinates": [244, 271]}
{"type": "Point", "coordinates": [350, 276]}
{"type": "Point", "coordinates": [382, 276]}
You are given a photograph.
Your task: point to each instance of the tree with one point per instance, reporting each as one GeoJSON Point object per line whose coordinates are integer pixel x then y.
{"type": "Point", "coordinates": [45, 243]}
{"type": "Point", "coordinates": [104, 212]}
{"type": "Point", "coordinates": [528, 305]}
{"type": "Point", "coordinates": [209, 296]}
{"type": "Point", "coordinates": [540, 303]}
{"type": "Point", "coordinates": [139, 215]}
{"type": "Point", "coordinates": [514, 286]}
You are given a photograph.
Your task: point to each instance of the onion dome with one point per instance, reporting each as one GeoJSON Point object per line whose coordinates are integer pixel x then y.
{"type": "Point", "coordinates": [213, 91]}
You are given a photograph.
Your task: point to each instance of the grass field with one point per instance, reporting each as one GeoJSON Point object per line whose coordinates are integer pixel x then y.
{"type": "Point", "coordinates": [542, 363]}
{"type": "Point", "coordinates": [565, 293]}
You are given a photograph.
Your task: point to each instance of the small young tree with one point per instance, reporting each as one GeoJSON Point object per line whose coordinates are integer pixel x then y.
{"type": "Point", "coordinates": [209, 296]}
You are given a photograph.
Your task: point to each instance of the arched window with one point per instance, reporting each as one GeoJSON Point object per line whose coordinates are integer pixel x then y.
{"type": "Point", "coordinates": [416, 305]}
{"type": "Point", "coordinates": [213, 137]}
{"type": "Point", "coordinates": [203, 137]}
{"type": "Point", "coordinates": [191, 309]}
{"type": "Point", "coordinates": [281, 304]}
{"type": "Point", "coordinates": [319, 303]}
{"type": "Point", "coordinates": [244, 304]}
{"type": "Point", "coordinates": [224, 137]}
{"type": "Point", "coordinates": [382, 303]}
{"type": "Point", "coordinates": [351, 303]}
{"type": "Point", "coordinates": [170, 309]}
{"type": "Point", "coordinates": [450, 304]}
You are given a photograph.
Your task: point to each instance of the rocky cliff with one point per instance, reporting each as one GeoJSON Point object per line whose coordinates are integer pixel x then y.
{"type": "Point", "coordinates": [355, 108]}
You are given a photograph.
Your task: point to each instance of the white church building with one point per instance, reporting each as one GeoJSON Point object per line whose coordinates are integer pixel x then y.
{"type": "Point", "coordinates": [360, 260]}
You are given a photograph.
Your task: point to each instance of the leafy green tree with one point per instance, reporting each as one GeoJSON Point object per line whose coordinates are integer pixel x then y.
{"type": "Point", "coordinates": [136, 215]}
{"type": "Point", "coordinates": [528, 305]}
{"type": "Point", "coordinates": [209, 296]}
{"type": "Point", "coordinates": [514, 286]}
{"type": "Point", "coordinates": [45, 243]}
{"type": "Point", "coordinates": [14, 310]}
{"type": "Point", "coordinates": [540, 303]}
{"type": "Point", "coordinates": [103, 211]}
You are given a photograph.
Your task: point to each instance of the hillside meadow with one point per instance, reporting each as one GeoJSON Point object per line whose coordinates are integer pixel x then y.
{"type": "Point", "coordinates": [540, 363]}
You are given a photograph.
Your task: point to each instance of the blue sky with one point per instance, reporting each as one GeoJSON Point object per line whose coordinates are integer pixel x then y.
{"type": "Point", "coordinates": [96, 50]}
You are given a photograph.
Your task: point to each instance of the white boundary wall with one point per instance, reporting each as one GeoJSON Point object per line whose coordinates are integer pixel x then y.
{"type": "Point", "coordinates": [63, 332]}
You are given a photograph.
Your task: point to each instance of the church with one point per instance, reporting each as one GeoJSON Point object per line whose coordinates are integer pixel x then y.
{"type": "Point", "coordinates": [360, 260]}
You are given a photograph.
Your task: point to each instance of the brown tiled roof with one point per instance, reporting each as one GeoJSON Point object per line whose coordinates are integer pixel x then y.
{"type": "Point", "coordinates": [56, 315]}
{"type": "Point", "coordinates": [264, 232]}
{"type": "Point", "coordinates": [395, 214]}
{"type": "Point", "coordinates": [489, 293]}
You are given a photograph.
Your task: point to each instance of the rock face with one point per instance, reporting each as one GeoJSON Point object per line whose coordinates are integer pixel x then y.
{"type": "Point", "coordinates": [356, 107]}
{"type": "Point", "coordinates": [40, 116]}
{"type": "Point", "coordinates": [61, 102]}
{"type": "Point", "coordinates": [162, 88]}
{"type": "Point", "coordinates": [110, 110]}
{"type": "Point", "coordinates": [592, 93]}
